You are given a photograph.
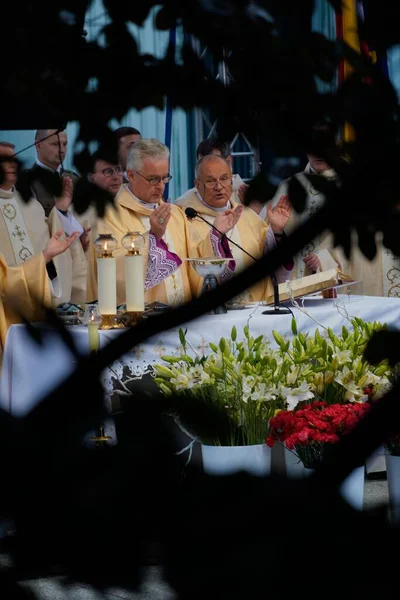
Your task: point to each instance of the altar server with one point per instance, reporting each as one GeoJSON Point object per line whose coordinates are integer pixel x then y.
{"type": "Point", "coordinates": [25, 231]}
{"type": "Point", "coordinates": [139, 206]}
{"type": "Point", "coordinates": [212, 197]}
{"type": "Point", "coordinates": [378, 277]}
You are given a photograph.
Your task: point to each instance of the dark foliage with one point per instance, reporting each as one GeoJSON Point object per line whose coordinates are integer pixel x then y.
{"type": "Point", "coordinates": [91, 514]}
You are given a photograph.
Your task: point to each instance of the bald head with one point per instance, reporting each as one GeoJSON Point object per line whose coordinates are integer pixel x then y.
{"type": "Point", "coordinates": [209, 163]}
{"type": "Point", "coordinates": [51, 147]}
{"type": "Point", "coordinates": [214, 180]}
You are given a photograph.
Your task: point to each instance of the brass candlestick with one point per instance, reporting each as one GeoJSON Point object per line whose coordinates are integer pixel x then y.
{"type": "Point", "coordinates": [101, 439]}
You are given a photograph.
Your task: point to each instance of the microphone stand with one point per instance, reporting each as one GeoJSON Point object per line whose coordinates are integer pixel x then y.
{"type": "Point", "coordinates": [278, 308]}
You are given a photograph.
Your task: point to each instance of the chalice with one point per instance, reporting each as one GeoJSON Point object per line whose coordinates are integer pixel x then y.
{"type": "Point", "coordinates": [210, 269]}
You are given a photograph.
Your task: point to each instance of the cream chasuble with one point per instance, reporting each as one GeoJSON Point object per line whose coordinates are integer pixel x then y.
{"type": "Point", "coordinates": [379, 277]}
{"type": "Point", "coordinates": [250, 232]}
{"type": "Point", "coordinates": [26, 286]}
{"type": "Point", "coordinates": [131, 215]}
{"type": "Point", "coordinates": [25, 231]}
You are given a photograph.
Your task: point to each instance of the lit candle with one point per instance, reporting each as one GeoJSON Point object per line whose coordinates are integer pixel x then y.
{"type": "Point", "coordinates": [106, 274]}
{"type": "Point", "coordinates": [134, 281]}
{"type": "Point", "coordinates": [107, 285]}
{"type": "Point", "coordinates": [134, 284]}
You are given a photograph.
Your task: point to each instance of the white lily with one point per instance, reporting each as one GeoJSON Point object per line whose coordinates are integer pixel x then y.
{"type": "Point", "coordinates": [295, 395]}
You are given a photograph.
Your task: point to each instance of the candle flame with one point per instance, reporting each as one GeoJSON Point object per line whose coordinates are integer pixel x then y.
{"type": "Point", "coordinates": [105, 246]}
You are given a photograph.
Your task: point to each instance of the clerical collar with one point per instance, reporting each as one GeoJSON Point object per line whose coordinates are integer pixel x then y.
{"type": "Point", "coordinates": [43, 166]}
{"type": "Point", "coordinates": [7, 193]}
{"type": "Point", "coordinates": [151, 205]}
{"type": "Point", "coordinates": [328, 174]}
{"type": "Point", "coordinates": [214, 208]}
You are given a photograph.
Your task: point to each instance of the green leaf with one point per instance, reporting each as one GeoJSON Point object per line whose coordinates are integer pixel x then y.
{"type": "Point", "coordinates": [172, 359]}
{"type": "Point", "coordinates": [294, 326]}
{"type": "Point", "coordinates": [278, 338]}
{"type": "Point", "coordinates": [182, 336]}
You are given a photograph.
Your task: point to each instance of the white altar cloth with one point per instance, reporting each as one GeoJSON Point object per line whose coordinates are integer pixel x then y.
{"type": "Point", "coordinates": [30, 371]}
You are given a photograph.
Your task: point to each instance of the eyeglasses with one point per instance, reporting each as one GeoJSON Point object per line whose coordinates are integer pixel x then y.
{"type": "Point", "coordinates": [156, 179]}
{"type": "Point", "coordinates": [224, 181]}
{"type": "Point", "coordinates": [109, 171]}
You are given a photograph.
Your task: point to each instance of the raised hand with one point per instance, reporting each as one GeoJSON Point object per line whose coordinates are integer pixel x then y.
{"type": "Point", "coordinates": [159, 220]}
{"type": "Point", "coordinates": [312, 262]}
{"type": "Point", "coordinates": [278, 216]}
{"type": "Point", "coordinates": [55, 246]}
{"type": "Point", "coordinates": [227, 220]}
{"type": "Point", "coordinates": [64, 201]}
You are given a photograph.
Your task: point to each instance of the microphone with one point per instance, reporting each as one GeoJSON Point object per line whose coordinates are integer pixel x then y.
{"type": "Point", "coordinates": [191, 213]}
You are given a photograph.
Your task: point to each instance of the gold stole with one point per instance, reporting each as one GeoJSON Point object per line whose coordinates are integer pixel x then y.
{"type": "Point", "coordinates": [252, 224]}
{"type": "Point", "coordinates": [15, 224]}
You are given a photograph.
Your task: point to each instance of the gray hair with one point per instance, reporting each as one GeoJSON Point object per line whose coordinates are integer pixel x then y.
{"type": "Point", "coordinates": [146, 148]}
{"type": "Point", "coordinates": [206, 159]}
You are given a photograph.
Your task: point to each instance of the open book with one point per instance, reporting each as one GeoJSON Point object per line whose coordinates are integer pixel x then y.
{"type": "Point", "coordinates": [310, 284]}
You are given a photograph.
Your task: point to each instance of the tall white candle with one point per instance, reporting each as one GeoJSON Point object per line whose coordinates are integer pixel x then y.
{"type": "Point", "coordinates": [107, 285]}
{"type": "Point", "coordinates": [134, 283]}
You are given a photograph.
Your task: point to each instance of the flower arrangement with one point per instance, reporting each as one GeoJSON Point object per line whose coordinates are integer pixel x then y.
{"type": "Point", "coordinates": [309, 430]}
{"type": "Point", "coordinates": [252, 380]}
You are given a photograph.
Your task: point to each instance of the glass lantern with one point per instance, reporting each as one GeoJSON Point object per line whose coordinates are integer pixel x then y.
{"type": "Point", "coordinates": [133, 242]}
{"type": "Point", "coordinates": [92, 315]}
{"type": "Point", "coordinates": [105, 245]}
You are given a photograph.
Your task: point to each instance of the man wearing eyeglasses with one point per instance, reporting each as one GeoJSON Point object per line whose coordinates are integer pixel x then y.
{"type": "Point", "coordinates": [213, 181]}
{"type": "Point", "coordinates": [139, 206]}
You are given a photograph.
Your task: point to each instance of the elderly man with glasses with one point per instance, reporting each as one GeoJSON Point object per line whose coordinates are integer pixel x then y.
{"type": "Point", "coordinates": [139, 206]}
{"type": "Point", "coordinates": [213, 196]}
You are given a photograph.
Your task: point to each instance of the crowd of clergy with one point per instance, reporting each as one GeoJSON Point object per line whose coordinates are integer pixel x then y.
{"type": "Point", "coordinates": [47, 251]}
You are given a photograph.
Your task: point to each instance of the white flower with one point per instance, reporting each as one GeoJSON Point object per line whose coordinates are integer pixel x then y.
{"type": "Point", "coordinates": [342, 356]}
{"type": "Point", "coordinates": [295, 395]}
{"type": "Point", "coordinates": [346, 379]}
{"type": "Point", "coordinates": [248, 384]}
{"type": "Point", "coordinates": [381, 388]}
{"type": "Point", "coordinates": [263, 394]}
{"type": "Point", "coordinates": [369, 379]}
{"type": "Point", "coordinates": [292, 376]}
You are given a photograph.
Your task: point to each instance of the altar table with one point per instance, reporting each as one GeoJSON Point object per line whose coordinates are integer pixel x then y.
{"type": "Point", "coordinates": [29, 371]}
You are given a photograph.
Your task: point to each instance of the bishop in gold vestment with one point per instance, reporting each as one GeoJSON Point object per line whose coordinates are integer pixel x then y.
{"type": "Point", "coordinates": [213, 195]}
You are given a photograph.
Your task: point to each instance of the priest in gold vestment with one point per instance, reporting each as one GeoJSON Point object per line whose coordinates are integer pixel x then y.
{"type": "Point", "coordinates": [139, 207]}
{"type": "Point", "coordinates": [25, 231]}
{"type": "Point", "coordinates": [213, 196]}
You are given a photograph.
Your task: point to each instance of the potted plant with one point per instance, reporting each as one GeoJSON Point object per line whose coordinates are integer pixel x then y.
{"type": "Point", "coordinates": [309, 430]}
{"type": "Point", "coordinates": [234, 376]}
{"type": "Point", "coordinates": [253, 378]}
